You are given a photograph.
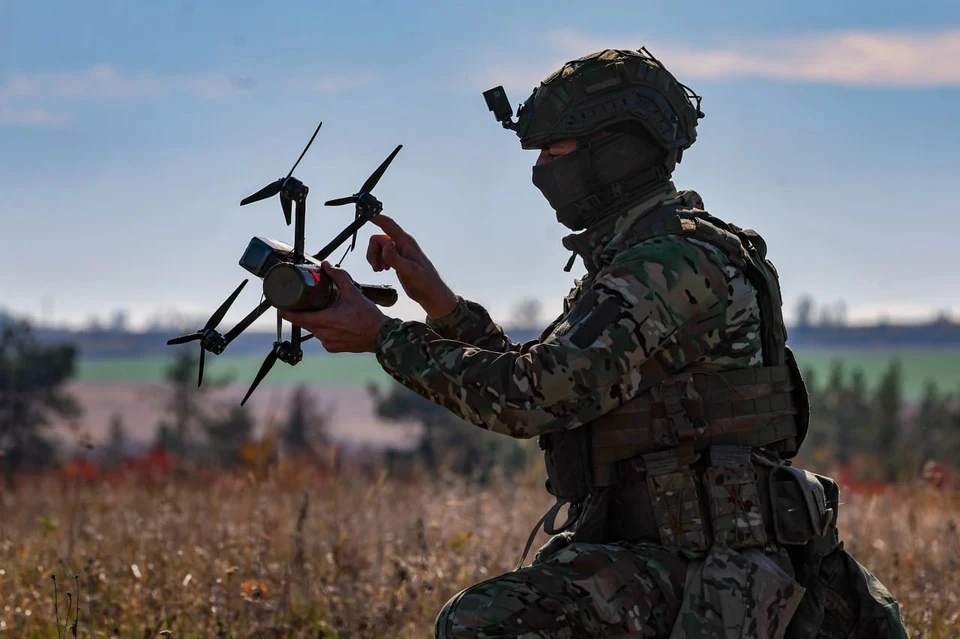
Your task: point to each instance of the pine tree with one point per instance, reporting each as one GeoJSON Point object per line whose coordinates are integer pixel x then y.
{"type": "Point", "coordinates": [32, 379]}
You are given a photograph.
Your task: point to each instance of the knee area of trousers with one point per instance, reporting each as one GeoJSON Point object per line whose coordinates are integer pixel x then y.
{"type": "Point", "coordinates": [464, 614]}
{"type": "Point", "coordinates": [447, 625]}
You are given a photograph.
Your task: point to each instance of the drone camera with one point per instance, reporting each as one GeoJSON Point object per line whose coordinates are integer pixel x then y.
{"type": "Point", "coordinates": [498, 103]}
{"type": "Point", "coordinates": [262, 254]}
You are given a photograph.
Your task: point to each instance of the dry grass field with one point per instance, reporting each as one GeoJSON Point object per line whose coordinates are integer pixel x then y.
{"type": "Point", "coordinates": [295, 555]}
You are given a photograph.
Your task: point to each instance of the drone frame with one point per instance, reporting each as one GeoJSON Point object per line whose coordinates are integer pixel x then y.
{"type": "Point", "coordinates": [291, 191]}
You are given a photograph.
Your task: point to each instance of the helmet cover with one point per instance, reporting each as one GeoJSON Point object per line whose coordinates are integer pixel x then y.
{"type": "Point", "coordinates": [605, 88]}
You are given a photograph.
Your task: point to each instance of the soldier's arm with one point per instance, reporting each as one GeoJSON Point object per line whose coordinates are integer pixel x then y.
{"type": "Point", "coordinates": [470, 323]}
{"type": "Point", "coordinates": [588, 366]}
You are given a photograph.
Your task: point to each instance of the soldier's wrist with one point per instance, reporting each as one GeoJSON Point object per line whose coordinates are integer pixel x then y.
{"type": "Point", "coordinates": [443, 307]}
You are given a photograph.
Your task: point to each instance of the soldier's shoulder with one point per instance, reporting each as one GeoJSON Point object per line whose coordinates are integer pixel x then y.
{"type": "Point", "coordinates": [675, 252]}
{"type": "Point", "coordinates": [690, 198]}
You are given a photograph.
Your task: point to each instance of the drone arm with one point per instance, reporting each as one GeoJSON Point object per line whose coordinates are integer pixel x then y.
{"type": "Point", "coordinates": [299, 230]}
{"type": "Point", "coordinates": [247, 321]}
{"type": "Point", "coordinates": [295, 338]}
{"type": "Point", "coordinates": [365, 216]}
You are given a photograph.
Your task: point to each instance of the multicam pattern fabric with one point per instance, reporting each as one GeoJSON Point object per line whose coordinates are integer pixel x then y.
{"type": "Point", "coordinates": [628, 308]}
{"type": "Point", "coordinates": [736, 518]}
{"type": "Point", "coordinates": [582, 591]}
{"type": "Point", "coordinates": [729, 595]}
{"type": "Point", "coordinates": [628, 590]}
{"type": "Point", "coordinates": [634, 301]}
{"type": "Point", "coordinates": [677, 510]}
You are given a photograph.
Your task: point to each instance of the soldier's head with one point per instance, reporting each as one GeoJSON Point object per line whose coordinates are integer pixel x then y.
{"type": "Point", "coordinates": [610, 126]}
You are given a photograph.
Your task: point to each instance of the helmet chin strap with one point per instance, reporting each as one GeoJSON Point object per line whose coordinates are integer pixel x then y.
{"type": "Point", "coordinates": [589, 178]}
{"type": "Point", "coordinates": [586, 164]}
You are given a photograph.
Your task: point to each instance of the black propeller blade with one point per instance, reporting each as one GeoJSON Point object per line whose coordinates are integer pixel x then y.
{"type": "Point", "coordinates": [304, 152]}
{"type": "Point", "coordinates": [287, 205]}
{"type": "Point", "coordinates": [268, 363]}
{"type": "Point", "coordinates": [217, 317]}
{"type": "Point", "coordinates": [264, 369]}
{"type": "Point", "coordinates": [365, 189]}
{"type": "Point", "coordinates": [369, 184]}
{"type": "Point", "coordinates": [268, 191]}
{"type": "Point", "coordinates": [375, 177]}
{"type": "Point", "coordinates": [275, 187]}
{"type": "Point", "coordinates": [341, 201]}
{"type": "Point", "coordinates": [183, 339]}
{"type": "Point", "coordinates": [211, 324]}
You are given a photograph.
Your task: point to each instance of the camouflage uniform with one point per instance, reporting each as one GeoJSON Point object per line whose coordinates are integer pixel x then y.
{"type": "Point", "coordinates": [684, 520]}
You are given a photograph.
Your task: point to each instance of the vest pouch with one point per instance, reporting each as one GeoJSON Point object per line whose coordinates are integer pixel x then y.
{"type": "Point", "coordinates": [731, 595]}
{"type": "Point", "coordinates": [677, 507]}
{"type": "Point", "coordinates": [799, 504]}
{"type": "Point", "coordinates": [567, 458]}
{"type": "Point", "coordinates": [736, 515]}
{"type": "Point", "coordinates": [801, 400]}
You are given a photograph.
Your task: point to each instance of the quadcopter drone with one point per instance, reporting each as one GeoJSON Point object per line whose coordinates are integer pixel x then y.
{"type": "Point", "coordinates": [291, 279]}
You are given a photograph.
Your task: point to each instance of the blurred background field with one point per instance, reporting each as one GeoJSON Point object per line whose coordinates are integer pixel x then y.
{"type": "Point", "coordinates": [919, 366]}
{"type": "Point", "coordinates": [339, 504]}
{"type": "Point", "coordinates": [300, 552]}
{"type": "Point", "coordinates": [335, 503]}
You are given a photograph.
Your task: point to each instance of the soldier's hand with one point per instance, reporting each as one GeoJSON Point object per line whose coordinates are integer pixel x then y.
{"type": "Point", "coordinates": [349, 325]}
{"type": "Point", "coordinates": [396, 249]}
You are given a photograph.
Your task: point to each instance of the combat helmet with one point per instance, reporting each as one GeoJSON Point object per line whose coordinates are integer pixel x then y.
{"type": "Point", "coordinates": [646, 117]}
{"type": "Point", "coordinates": [605, 88]}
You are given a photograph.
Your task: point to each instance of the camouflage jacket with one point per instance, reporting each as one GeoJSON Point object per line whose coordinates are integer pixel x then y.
{"type": "Point", "coordinates": [583, 365]}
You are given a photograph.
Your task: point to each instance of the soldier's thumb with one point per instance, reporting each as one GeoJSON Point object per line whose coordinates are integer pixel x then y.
{"type": "Point", "coordinates": [393, 259]}
{"type": "Point", "coordinates": [340, 278]}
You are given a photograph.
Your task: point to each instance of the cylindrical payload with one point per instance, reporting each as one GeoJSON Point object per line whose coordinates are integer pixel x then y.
{"type": "Point", "coordinates": [298, 287]}
{"type": "Point", "coordinates": [305, 287]}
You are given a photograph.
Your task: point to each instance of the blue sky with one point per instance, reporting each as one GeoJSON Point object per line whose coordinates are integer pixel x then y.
{"type": "Point", "coordinates": [129, 132]}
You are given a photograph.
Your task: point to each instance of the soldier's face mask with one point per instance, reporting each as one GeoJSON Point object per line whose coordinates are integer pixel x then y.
{"type": "Point", "coordinates": [577, 185]}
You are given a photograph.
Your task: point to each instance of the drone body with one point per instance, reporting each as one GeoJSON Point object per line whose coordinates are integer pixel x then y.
{"type": "Point", "coordinates": [293, 286]}
{"type": "Point", "coordinates": [291, 279]}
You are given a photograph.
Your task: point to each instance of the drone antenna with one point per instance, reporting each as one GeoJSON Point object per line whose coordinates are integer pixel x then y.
{"type": "Point", "coordinates": [304, 150]}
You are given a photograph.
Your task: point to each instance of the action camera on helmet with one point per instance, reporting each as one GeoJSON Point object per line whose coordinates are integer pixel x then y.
{"type": "Point", "coordinates": [498, 103]}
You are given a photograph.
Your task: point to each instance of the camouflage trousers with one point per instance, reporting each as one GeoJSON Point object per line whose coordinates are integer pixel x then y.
{"type": "Point", "coordinates": [628, 590]}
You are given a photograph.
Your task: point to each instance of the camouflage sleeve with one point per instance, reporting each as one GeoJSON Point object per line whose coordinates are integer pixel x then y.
{"type": "Point", "coordinates": [589, 364]}
{"type": "Point", "coordinates": [471, 324]}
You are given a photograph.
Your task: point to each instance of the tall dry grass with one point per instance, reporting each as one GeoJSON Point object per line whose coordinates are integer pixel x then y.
{"type": "Point", "coordinates": [351, 556]}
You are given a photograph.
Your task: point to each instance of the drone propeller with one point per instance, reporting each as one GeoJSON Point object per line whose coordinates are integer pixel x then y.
{"type": "Point", "coordinates": [264, 369]}
{"type": "Point", "coordinates": [268, 363]}
{"type": "Point", "coordinates": [211, 325]}
{"type": "Point", "coordinates": [364, 190]}
{"type": "Point", "coordinates": [369, 184]}
{"type": "Point", "coordinates": [276, 187]}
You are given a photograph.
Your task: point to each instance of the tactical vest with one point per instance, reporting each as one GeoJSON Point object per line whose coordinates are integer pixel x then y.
{"type": "Point", "coordinates": [695, 457]}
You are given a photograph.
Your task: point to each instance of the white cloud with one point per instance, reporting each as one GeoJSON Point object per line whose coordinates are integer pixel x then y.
{"type": "Point", "coordinates": [26, 99]}
{"type": "Point", "coordinates": [30, 117]}
{"type": "Point", "coordinates": [897, 59]}
{"type": "Point", "coordinates": [106, 82]}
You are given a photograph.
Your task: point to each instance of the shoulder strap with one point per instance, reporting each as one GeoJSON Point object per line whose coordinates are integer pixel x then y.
{"type": "Point", "coordinates": [748, 251]}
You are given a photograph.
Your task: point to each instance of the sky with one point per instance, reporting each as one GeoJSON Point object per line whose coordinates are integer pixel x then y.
{"type": "Point", "coordinates": [129, 133]}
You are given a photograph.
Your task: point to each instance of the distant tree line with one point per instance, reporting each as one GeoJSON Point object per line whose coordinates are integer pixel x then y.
{"type": "Point", "coordinates": [31, 396]}
{"type": "Point", "coordinates": [194, 429]}
{"type": "Point", "coordinates": [875, 427]}
{"type": "Point", "coordinates": [850, 422]}
{"type": "Point", "coordinates": [447, 443]}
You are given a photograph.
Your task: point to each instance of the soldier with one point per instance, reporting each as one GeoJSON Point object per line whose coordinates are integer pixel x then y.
{"type": "Point", "coordinates": [665, 399]}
